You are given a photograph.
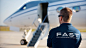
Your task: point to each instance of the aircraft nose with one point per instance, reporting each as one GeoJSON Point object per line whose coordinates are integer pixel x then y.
{"type": "Point", "coordinates": [6, 21]}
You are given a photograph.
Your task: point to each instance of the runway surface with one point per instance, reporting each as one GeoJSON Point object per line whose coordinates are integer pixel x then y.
{"type": "Point", "coordinates": [12, 40]}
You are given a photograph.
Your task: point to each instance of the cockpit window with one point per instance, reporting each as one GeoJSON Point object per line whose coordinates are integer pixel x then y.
{"type": "Point", "coordinates": [23, 8]}
{"type": "Point", "coordinates": [32, 4]}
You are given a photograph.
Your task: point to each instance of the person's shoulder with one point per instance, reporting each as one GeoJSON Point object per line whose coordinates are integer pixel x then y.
{"type": "Point", "coordinates": [54, 29]}
{"type": "Point", "coordinates": [76, 30]}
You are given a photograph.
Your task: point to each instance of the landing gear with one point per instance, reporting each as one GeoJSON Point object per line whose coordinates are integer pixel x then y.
{"type": "Point", "coordinates": [23, 42]}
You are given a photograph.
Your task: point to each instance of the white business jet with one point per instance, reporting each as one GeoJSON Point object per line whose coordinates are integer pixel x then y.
{"type": "Point", "coordinates": [29, 16]}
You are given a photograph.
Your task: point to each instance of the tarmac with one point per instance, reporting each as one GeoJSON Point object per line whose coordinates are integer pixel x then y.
{"type": "Point", "coordinates": [10, 39]}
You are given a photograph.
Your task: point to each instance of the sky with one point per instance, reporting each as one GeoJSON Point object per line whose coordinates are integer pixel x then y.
{"type": "Point", "coordinates": [7, 7]}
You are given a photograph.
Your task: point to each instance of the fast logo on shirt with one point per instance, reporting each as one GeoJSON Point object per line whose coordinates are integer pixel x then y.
{"type": "Point", "coordinates": [67, 35]}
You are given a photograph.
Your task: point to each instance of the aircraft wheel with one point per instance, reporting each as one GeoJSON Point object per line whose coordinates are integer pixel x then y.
{"type": "Point", "coordinates": [23, 42]}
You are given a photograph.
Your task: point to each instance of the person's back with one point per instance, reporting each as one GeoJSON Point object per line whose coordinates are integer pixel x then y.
{"type": "Point", "coordinates": [64, 36]}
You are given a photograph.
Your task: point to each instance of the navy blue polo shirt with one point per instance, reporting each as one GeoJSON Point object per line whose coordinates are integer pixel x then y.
{"type": "Point", "coordinates": [64, 36]}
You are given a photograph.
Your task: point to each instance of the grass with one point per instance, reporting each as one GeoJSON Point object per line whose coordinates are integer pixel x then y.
{"type": "Point", "coordinates": [6, 28]}
{"type": "Point", "coordinates": [82, 30]}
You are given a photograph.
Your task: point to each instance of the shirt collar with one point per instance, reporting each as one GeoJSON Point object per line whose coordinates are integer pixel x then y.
{"type": "Point", "coordinates": [65, 24]}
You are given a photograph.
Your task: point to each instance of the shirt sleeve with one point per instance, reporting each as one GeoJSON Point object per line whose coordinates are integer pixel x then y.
{"type": "Point", "coordinates": [49, 40]}
{"type": "Point", "coordinates": [78, 41]}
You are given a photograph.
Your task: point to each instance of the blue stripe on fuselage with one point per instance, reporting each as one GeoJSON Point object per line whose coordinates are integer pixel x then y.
{"type": "Point", "coordinates": [48, 6]}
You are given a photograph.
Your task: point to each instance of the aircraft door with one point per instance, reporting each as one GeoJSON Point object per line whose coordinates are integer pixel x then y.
{"type": "Point", "coordinates": [42, 12]}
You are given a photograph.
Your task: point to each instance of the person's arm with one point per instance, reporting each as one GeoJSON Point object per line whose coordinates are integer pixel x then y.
{"type": "Point", "coordinates": [49, 40]}
{"type": "Point", "coordinates": [78, 41]}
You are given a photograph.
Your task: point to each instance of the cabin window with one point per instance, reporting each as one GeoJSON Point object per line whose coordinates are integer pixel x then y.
{"type": "Point", "coordinates": [58, 9]}
{"type": "Point", "coordinates": [76, 8]}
